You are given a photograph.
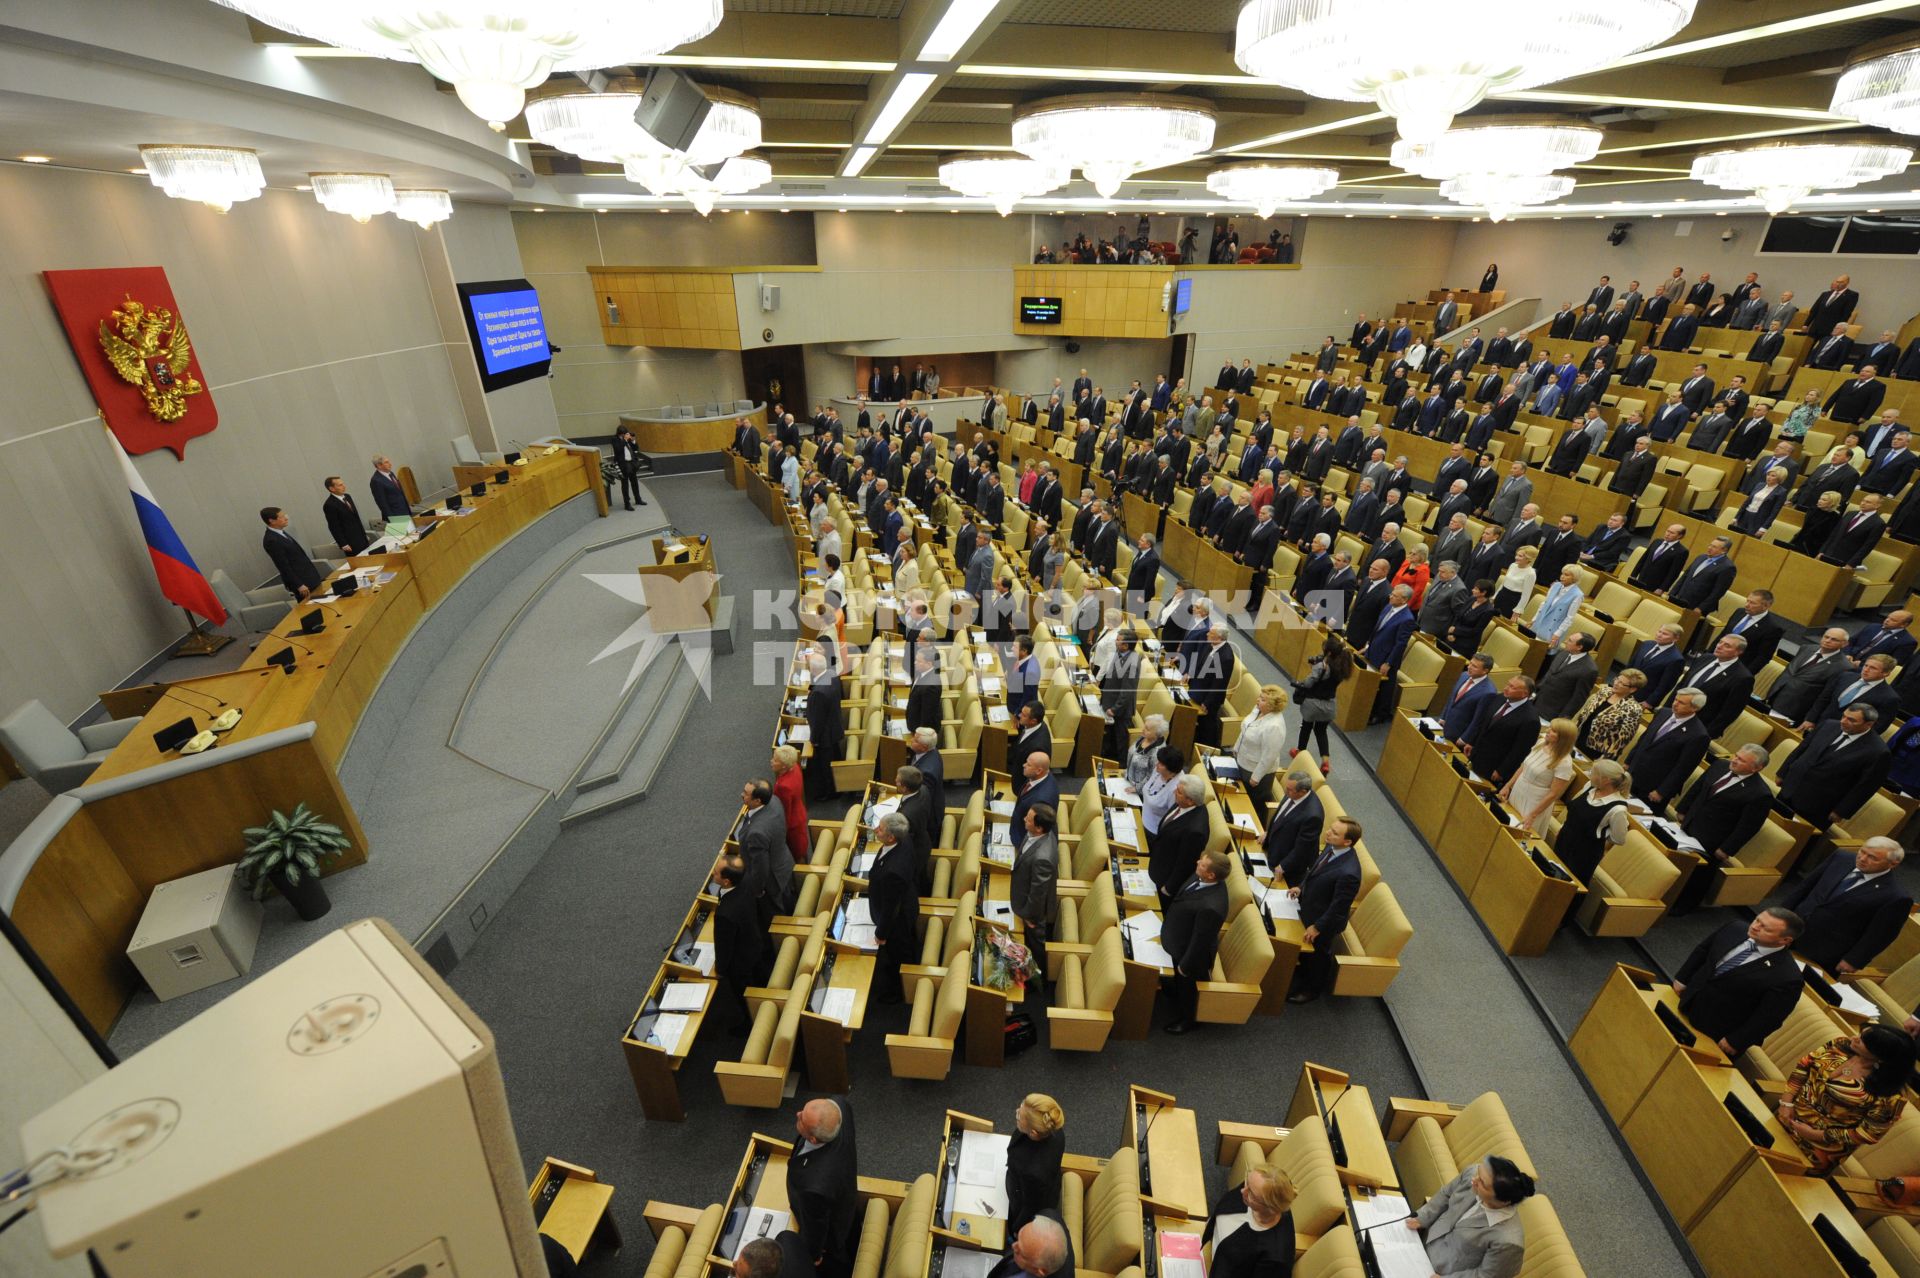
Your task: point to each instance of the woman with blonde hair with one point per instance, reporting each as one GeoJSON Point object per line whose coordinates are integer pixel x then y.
{"type": "Point", "coordinates": [789, 789]}
{"type": "Point", "coordinates": [1516, 584]}
{"type": "Point", "coordinates": [1262, 1247]}
{"type": "Point", "coordinates": [1611, 716]}
{"type": "Point", "coordinates": [1033, 1160]}
{"type": "Point", "coordinates": [1544, 775]}
{"type": "Point", "coordinates": [1596, 819]}
{"type": "Point", "coordinates": [1262, 745]}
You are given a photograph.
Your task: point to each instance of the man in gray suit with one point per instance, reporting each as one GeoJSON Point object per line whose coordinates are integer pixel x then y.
{"type": "Point", "coordinates": [1783, 311]}
{"type": "Point", "coordinates": [1472, 1225]}
{"type": "Point", "coordinates": [1515, 491]}
{"type": "Point", "coordinates": [1443, 599]}
{"type": "Point", "coordinates": [1569, 679]}
{"type": "Point", "coordinates": [1033, 889]}
{"type": "Point", "coordinates": [1806, 676]}
{"type": "Point", "coordinates": [762, 839]}
{"type": "Point", "coordinates": [980, 573]}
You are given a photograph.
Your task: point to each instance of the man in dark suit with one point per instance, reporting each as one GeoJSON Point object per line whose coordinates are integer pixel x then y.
{"type": "Point", "coordinates": [1766, 347]}
{"type": "Point", "coordinates": [923, 697]}
{"type": "Point", "coordinates": [1891, 467]}
{"type": "Point", "coordinates": [1669, 748]}
{"type": "Point", "coordinates": [762, 840]}
{"type": "Point", "coordinates": [1567, 677]}
{"type": "Point", "coordinates": [1391, 635]}
{"type": "Point", "coordinates": [1369, 601]}
{"type": "Point", "coordinates": [388, 497]}
{"type": "Point", "coordinates": [1696, 392]}
{"type": "Point", "coordinates": [1325, 889]}
{"type": "Point", "coordinates": [1681, 329]}
{"type": "Point", "coordinates": [1464, 698]}
{"type": "Point", "coordinates": [1740, 984]}
{"type": "Point", "coordinates": [1569, 452]}
{"type": "Point", "coordinates": [1635, 471]}
{"type": "Point", "coordinates": [1855, 536]}
{"type": "Point", "coordinates": [348, 529]}
{"type": "Point", "coordinates": [1836, 769]}
{"type": "Point", "coordinates": [1780, 459]}
{"type": "Point", "coordinates": [1661, 562]}
{"type": "Point", "coordinates": [1853, 905]}
{"type": "Point", "coordinates": [823, 1182]}
{"type": "Point", "coordinates": [1833, 307]}
{"type": "Point", "coordinates": [1606, 545]}
{"type": "Point", "coordinates": [1041, 1248]}
{"type": "Point", "coordinates": [1722, 810]}
{"type": "Point", "coordinates": [1756, 624]}
{"type": "Point", "coordinates": [739, 941]}
{"type": "Point", "coordinates": [1805, 678]}
{"type": "Point", "coordinates": [1726, 682]}
{"type": "Point", "coordinates": [1711, 430]}
{"type": "Point", "coordinates": [1836, 476]}
{"type": "Point", "coordinates": [1294, 832]}
{"type": "Point", "coordinates": [1669, 419]}
{"type": "Point", "coordinates": [825, 726]}
{"type": "Point", "coordinates": [1854, 401]}
{"type": "Point", "coordinates": [1190, 933]}
{"type": "Point", "coordinates": [1708, 577]}
{"type": "Point", "coordinates": [1661, 660]}
{"type": "Point", "coordinates": [1143, 576]}
{"type": "Point", "coordinates": [290, 559]}
{"type": "Point", "coordinates": [1503, 731]}
{"type": "Point", "coordinates": [1883, 354]}
{"type": "Point", "coordinates": [1207, 683]}
{"type": "Point", "coordinates": [1870, 685]}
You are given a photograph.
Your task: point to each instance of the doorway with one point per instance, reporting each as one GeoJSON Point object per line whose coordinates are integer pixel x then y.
{"type": "Point", "coordinates": [777, 374]}
{"type": "Point", "coordinates": [1180, 350]}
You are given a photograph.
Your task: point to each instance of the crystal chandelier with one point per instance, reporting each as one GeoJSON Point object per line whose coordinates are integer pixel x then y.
{"type": "Point", "coordinates": [1501, 193]}
{"type": "Point", "coordinates": [662, 173]}
{"type": "Point", "coordinates": [600, 126]}
{"type": "Point", "coordinates": [1424, 66]}
{"type": "Point", "coordinates": [423, 208]}
{"type": "Point", "coordinates": [1510, 145]}
{"type": "Point", "coordinates": [493, 51]}
{"type": "Point", "coordinates": [1881, 85]}
{"type": "Point", "coordinates": [216, 176]}
{"type": "Point", "coordinates": [1003, 179]}
{"type": "Point", "coordinates": [1779, 173]}
{"type": "Point", "coordinates": [1109, 138]}
{"type": "Point", "coordinates": [358, 195]}
{"type": "Point", "coordinates": [1268, 186]}
{"type": "Point", "coordinates": [737, 176]}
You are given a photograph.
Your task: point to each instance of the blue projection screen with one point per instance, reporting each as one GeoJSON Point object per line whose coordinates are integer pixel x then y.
{"type": "Point", "coordinates": [508, 331]}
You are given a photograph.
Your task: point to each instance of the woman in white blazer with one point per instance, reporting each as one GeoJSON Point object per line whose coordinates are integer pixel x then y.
{"type": "Point", "coordinates": [1261, 748]}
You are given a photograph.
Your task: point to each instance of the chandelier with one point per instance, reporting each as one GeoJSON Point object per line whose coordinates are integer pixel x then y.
{"type": "Point", "coordinates": [1510, 145]}
{"type": "Point", "coordinates": [1501, 193]}
{"type": "Point", "coordinates": [493, 51]}
{"type": "Point", "coordinates": [662, 173]}
{"type": "Point", "coordinates": [1424, 66]}
{"type": "Point", "coordinates": [737, 176]}
{"type": "Point", "coordinates": [1109, 137]}
{"type": "Point", "coordinates": [358, 195]}
{"type": "Point", "coordinates": [1003, 179]}
{"type": "Point", "coordinates": [1779, 173]}
{"type": "Point", "coordinates": [1268, 186]}
{"type": "Point", "coordinates": [601, 126]}
{"type": "Point", "coordinates": [423, 208]}
{"type": "Point", "coordinates": [1881, 85]}
{"type": "Point", "coordinates": [216, 176]}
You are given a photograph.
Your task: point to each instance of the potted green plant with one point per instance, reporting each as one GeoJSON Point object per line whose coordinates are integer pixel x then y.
{"type": "Point", "coordinates": [287, 853]}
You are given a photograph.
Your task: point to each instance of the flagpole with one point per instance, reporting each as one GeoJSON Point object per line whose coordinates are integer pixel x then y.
{"type": "Point", "coordinates": [199, 643]}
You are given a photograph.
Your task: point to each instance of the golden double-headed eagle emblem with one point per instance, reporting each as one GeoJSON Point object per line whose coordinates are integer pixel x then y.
{"type": "Point", "coordinates": [150, 350]}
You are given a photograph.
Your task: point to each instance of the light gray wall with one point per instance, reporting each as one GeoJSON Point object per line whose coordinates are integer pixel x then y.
{"type": "Point", "coordinates": [1561, 260]}
{"type": "Point", "coordinates": [479, 245]}
{"type": "Point", "coordinates": [321, 346]}
{"type": "Point", "coordinates": [594, 383]}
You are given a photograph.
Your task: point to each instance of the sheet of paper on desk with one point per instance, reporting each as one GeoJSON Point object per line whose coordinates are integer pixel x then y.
{"type": "Point", "coordinates": [1136, 883]}
{"type": "Point", "coordinates": [1180, 1256]}
{"type": "Point", "coordinates": [702, 958]}
{"type": "Point", "coordinates": [836, 1003]}
{"type": "Point", "coordinates": [1378, 1209]}
{"type": "Point", "coordinates": [799, 733]}
{"type": "Point", "coordinates": [1281, 906]}
{"type": "Point", "coordinates": [881, 809]}
{"type": "Point", "coordinates": [1125, 829]}
{"type": "Point", "coordinates": [1114, 787]}
{"type": "Point", "coordinates": [861, 935]}
{"type": "Point", "coordinates": [998, 714]}
{"type": "Point", "coordinates": [1144, 931]}
{"type": "Point", "coordinates": [1001, 854]}
{"type": "Point", "coordinates": [1679, 839]}
{"type": "Point", "coordinates": [983, 1161]}
{"type": "Point", "coordinates": [683, 996]}
{"type": "Point", "coordinates": [961, 1262]}
{"type": "Point", "coordinates": [859, 911]}
{"type": "Point", "coordinates": [1001, 807]}
{"type": "Point", "coordinates": [1851, 999]}
{"type": "Point", "coordinates": [990, 683]}
{"type": "Point", "coordinates": [1426, 722]}
{"type": "Point", "coordinates": [762, 1222]}
{"type": "Point", "coordinates": [998, 912]}
{"type": "Point", "coordinates": [1091, 703]}
{"type": "Point", "coordinates": [980, 1200]}
{"type": "Point", "coordinates": [1400, 1253]}
{"type": "Point", "coordinates": [1245, 821]}
{"type": "Point", "coordinates": [667, 1029]}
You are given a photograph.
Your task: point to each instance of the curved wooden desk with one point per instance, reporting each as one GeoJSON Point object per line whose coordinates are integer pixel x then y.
{"type": "Point", "coordinates": [135, 835]}
{"type": "Point", "coordinates": [690, 434]}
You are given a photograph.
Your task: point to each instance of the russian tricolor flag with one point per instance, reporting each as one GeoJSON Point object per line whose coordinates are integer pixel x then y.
{"type": "Point", "coordinates": [180, 578]}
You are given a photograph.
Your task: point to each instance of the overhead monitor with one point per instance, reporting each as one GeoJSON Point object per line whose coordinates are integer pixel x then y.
{"type": "Point", "coordinates": [1039, 310]}
{"type": "Point", "coordinates": [1182, 294]}
{"type": "Point", "coordinates": [508, 331]}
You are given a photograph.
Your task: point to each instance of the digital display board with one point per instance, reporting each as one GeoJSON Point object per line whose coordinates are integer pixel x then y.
{"type": "Point", "coordinates": [509, 332]}
{"type": "Point", "coordinates": [1039, 310]}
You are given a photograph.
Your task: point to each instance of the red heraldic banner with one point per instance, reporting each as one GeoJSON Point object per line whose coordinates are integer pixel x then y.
{"type": "Point", "coordinates": [131, 341]}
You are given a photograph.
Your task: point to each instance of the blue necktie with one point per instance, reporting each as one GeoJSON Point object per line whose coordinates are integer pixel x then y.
{"type": "Point", "coordinates": [1740, 954]}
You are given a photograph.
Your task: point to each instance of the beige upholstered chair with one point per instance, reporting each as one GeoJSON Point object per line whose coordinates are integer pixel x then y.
{"type": "Point", "coordinates": [1367, 956]}
{"type": "Point", "coordinates": [939, 999]}
{"type": "Point", "coordinates": [1080, 1017]}
{"type": "Point", "coordinates": [1627, 895]}
{"type": "Point", "coordinates": [1438, 1148]}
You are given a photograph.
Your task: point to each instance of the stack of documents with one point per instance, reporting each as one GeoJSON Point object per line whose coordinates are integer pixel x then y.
{"type": "Point", "coordinates": [960, 1262]}
{"type": "Point", "coordinates": [683, 996]}
{"type": "Point", "coordinates": [1135, 883]}
{"type": "Point", "coordinates": [981, 1178]}
{"type": "Point", "coordinates": [1116, 788]}
{"type": "Point", "coordinates": [1180, 1256]}
{"type": "Point", "coordinates": [666, 1031]}
{"type": "Point", "coordinates": [859, 929]}
{"type": "Point", "coordinates": [702, 960]}
{"type": "Point", "coordinates": [1851, 999]}
{"type": "Point", "coordinates": [1001, 807]}
{"type": "Point", "coordinates": [835, 1003]}
{"type": "Point", "coordinates": [998, 912]}
{"type": "Point", "coordinates": [1125, 829]}
{"type": "Point", "coordinates": [762, 1222]}
{"type": "Point", "coordinates": [1143, 930]}
{"type": "Point", "coordinates": [998, 714]}
{"type": "Point", "coordinates": [1278, 904]}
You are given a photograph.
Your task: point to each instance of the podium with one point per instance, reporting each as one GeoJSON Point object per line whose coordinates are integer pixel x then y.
{"type": "Point", "coordinates": [680, 559]}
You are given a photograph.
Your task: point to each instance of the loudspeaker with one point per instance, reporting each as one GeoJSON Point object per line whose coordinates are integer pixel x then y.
{"type": "Point", "coordinates": [672, 108]}
{"type": "Point", "coordinates": [769, 297]}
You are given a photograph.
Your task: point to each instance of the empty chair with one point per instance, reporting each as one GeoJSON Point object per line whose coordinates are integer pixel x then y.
{"type": "Point", "coordinates": [1106, 1231]}
{"type": "Point", "coordinates": [1245, 954]}
{"type": "Point", "coordinates": [464, 453]}
{"type": "Point", "coordinates": [55, 755]}
{"type": "Point", "coordinates": [704, 1237]}
{"type": "Point", "coordinates": [1419, 674]}
{"type": "Point", "coordinates": [759, 1077]}
{"type": "Point", "coordinates": [906, 1250]}
{"type": "Point", "coordinates": [1367, 955]}
{"type": "Point", "coordinates": [1080, 1016]}
{"type": "Point", "coordinates": [249, 611]}
{"type": "Point", "coordinates": [1897, 994]}
{"type": "Point", "coordinates": [939, 1005]}
{"type": "Point", "coordinates": [1627, 895]}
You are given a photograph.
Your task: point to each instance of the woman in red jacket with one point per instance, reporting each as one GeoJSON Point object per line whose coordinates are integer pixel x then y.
{"type": "Point", "coordinates": [1415, 574]}
{"type": "Point", "coordinates": [787, 787]}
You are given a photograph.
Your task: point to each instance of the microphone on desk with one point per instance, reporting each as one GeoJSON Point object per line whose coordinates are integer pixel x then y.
{"type": "Point", "coordinates": [1334, 1142]}
{"type": "Point", "coordinates": [174, 689]}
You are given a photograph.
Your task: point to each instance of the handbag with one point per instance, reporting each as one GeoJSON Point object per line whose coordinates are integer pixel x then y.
{"type": "Point", "coordinates": [1316, 711]}
{"type": "Point", "coordinates": [1020, 1033]}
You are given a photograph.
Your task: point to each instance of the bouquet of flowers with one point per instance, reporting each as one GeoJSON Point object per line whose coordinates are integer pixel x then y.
{"type": "Point", "coordinates": [1007, 962]}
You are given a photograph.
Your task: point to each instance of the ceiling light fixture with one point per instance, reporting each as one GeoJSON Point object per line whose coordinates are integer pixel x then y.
{"type": "Point", "coordinates": [1109, 137]}
{"type": "Point", "coordinates": [601, 126]}
{"type": "Point", "coordinates": [493, 51]}
{"type": "Point", "coordinates": [905, 96]}
{"type": "Point", "coordinates": [1424, 73]}
{"type": "Point", "coordinates": [1004, 180]}
{"type": "Point", "coordinates": [737, 176]}
{"type": "Point", "coordinates": [358, 195]}
{"type": "Point", "coordinates": [1520, 145]}
{"type": "Point", "coordinates": [859, 158]}
{"type": "Point", "coordinates": [1501, 193]}
{"type": "Point", "coordinates": [1268, 186]}
{"type": "Point", "coordinates": [1881, 85]}
{"type": "Point", "coordinates": [36, 159]}
{"type": "Point", "coordinates": [1780, 173]}
{"type": "Point", "coordinates": [217, 176]}
{"type": "Point", "coordinates": [955, 28]}
{"type": "Point", "coordinates": [422, 207]}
